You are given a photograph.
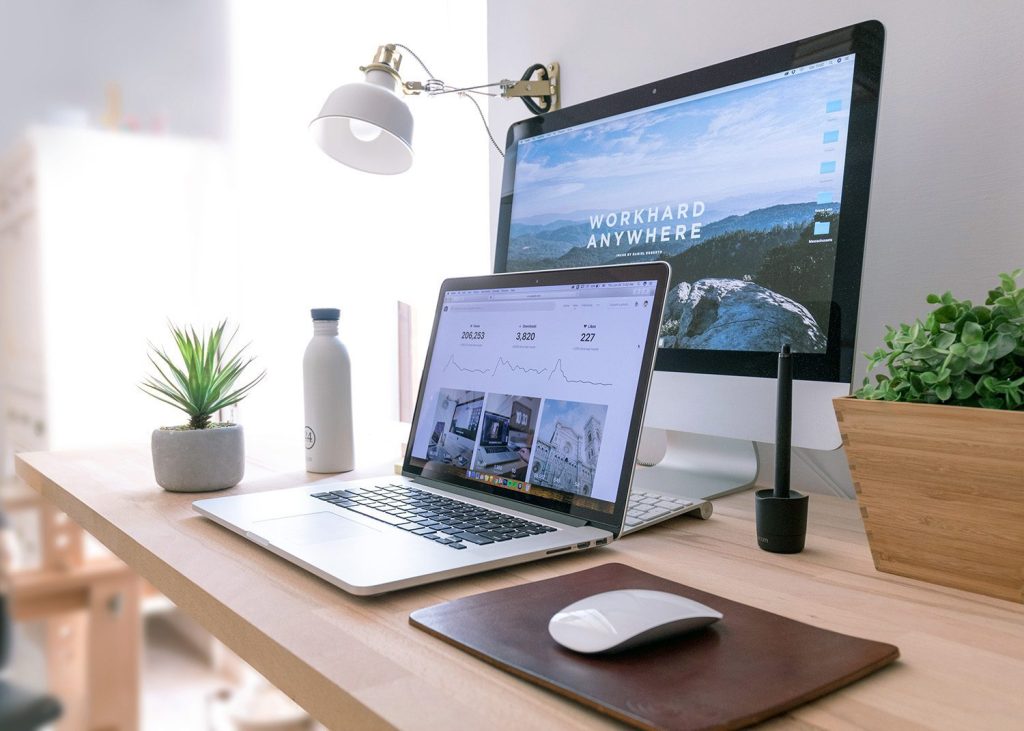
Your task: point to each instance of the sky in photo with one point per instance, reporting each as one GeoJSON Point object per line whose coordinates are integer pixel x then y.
{"type": "Point", "coordinates": [571, 414]}
{"type": "Point", "coordinates": [738, 150]}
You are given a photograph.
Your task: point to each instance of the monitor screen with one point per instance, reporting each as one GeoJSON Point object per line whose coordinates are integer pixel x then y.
{"type": "Point", "coordinates": [749, 178]}
{"type": "Point", "coordinates": [536, 387]}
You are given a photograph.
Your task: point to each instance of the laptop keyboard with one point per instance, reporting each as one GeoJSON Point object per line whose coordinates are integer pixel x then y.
{"type": "Point", "coordinates": [441, 519]}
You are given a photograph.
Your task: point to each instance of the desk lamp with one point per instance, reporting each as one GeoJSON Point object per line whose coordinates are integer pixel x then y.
{"type": "Point", "coordinates": [368, 126]}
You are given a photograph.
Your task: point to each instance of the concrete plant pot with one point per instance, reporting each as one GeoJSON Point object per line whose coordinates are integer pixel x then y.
{"type": "Point", "coordinates": [198, 460]}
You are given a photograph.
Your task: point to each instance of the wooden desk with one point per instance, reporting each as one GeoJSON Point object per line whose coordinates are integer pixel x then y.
{"type": "Point", "coordinates": [356, 663]}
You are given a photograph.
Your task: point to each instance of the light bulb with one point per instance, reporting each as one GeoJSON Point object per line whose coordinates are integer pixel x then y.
{"type": "Point", "coordinates": [363, 130]}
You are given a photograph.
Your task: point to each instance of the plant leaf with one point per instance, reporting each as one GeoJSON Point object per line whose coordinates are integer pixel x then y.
{"type": "Point", "coordinates": [963, 389]}
{"type": "Point", "coordinates": [972, 333]}
{"type": "Point", "coordinates": [978, 352]}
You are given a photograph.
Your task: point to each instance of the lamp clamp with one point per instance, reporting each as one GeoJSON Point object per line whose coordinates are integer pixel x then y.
{"type": "Point", "coordinates": [546, 87]}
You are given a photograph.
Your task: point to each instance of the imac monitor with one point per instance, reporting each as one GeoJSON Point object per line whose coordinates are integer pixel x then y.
{"type": "Point", "coordinates": [751, 179]}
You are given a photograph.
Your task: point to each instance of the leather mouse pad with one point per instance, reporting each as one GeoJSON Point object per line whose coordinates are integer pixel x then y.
{"type": "Point", "coordinates": [744, 669]}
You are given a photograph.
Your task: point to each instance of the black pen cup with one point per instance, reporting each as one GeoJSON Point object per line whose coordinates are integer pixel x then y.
{"type": "Point", "coordinates": [781, 521]}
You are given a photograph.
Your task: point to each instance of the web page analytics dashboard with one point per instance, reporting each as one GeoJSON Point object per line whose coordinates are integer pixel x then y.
{"type": "Point", "coordinates": [532, 389]}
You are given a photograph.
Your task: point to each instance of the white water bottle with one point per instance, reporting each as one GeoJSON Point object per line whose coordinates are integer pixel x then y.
{"type": "Point", "coordinates": [327, 388]}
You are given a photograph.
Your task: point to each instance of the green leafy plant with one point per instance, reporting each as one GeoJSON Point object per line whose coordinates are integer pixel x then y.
{"type": "Point", "coordinates": [204, 383]}
{"type": "Point", "coordinates": [962, 354]}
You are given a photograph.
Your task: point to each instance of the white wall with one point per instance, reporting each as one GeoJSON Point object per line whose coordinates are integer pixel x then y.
{"type": "Point", "coordinates": [169, 59]}
{"type": "Point", "coordinates": [945, 209]}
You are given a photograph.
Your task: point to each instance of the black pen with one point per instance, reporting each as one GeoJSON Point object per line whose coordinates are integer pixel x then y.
{"type": "Point", "coordinates": [783, 422]}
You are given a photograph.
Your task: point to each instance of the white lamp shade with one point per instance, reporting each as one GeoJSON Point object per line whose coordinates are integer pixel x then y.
{"type": "Point", "coordinates": [347, 126]}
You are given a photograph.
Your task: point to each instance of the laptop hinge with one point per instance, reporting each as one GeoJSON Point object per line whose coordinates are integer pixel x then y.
{"type": "Point", "coordinates": [500, 501]}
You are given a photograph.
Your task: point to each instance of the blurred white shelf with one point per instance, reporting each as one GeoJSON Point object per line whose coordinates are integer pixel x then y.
{"type": "Point", "coordinates": [103, 237]}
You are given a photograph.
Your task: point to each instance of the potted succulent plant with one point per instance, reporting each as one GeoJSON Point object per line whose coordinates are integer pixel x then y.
{"type": "Point", "coordinates": [936, 445]}
{"type": "Point", "coordinates": [203, 454]}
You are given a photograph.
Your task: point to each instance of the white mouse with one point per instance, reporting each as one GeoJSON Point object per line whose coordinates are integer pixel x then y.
{"type": "Point", "coordinates": [618, 620]}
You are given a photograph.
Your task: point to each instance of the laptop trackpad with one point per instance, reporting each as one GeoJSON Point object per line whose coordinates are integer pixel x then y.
{"type": "Point", "coordinates": [304, 530]}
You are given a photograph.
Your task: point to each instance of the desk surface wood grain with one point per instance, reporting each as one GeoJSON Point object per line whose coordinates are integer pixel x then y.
{"type": "Point", "coordinates": [357, 663]}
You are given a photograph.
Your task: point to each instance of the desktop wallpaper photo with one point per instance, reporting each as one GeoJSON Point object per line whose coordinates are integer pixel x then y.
{"type": "Point", "coordinates": [738, 189]}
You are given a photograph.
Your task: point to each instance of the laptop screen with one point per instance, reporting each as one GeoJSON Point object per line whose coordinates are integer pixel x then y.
{"type": "Point", "coordinates": [535, 386]}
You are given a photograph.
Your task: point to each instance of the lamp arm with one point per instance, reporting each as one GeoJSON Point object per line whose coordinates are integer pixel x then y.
{"type": "Point", "coordinates": [539, 95]}
{"type": "Point", "coordinates": [469, 89]}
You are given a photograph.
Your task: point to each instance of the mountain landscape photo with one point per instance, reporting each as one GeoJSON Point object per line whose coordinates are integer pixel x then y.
{"type": "Point", "coordinates": [764, 266]}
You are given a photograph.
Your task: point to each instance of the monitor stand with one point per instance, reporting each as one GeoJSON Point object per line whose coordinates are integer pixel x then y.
{"type": "Point", "coordinates": [695, 466]}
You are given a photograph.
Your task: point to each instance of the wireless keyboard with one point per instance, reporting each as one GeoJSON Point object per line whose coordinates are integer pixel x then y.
{"type": "Point", "coordinates": [646, 508]}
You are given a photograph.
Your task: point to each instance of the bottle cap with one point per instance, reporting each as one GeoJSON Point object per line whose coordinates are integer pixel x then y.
{"type": "Point", "coordinates": [325, 313]}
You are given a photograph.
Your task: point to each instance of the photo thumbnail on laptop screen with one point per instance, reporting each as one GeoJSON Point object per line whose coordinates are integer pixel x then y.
{"type": "Point", "coordinates": [738, 188]}
{"type": "Point", "coordinates": [532, 389]}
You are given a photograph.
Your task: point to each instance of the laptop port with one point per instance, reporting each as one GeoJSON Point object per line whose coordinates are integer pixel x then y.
{"type": "Point", "coordinates": [585, 544]}
{"type": "Point", "coordinates": [557, 550]}
{"type": "Point", "coordinates": [601, 542]}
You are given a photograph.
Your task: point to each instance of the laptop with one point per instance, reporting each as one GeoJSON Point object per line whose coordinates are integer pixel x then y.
{"type": "Point", "coordinates": [494, 442]}
{"type": "Point", "coordinates": [552, 368]}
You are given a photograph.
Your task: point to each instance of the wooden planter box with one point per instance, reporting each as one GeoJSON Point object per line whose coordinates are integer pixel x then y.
{"type": "Point", "coordinates": [941, 491]}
